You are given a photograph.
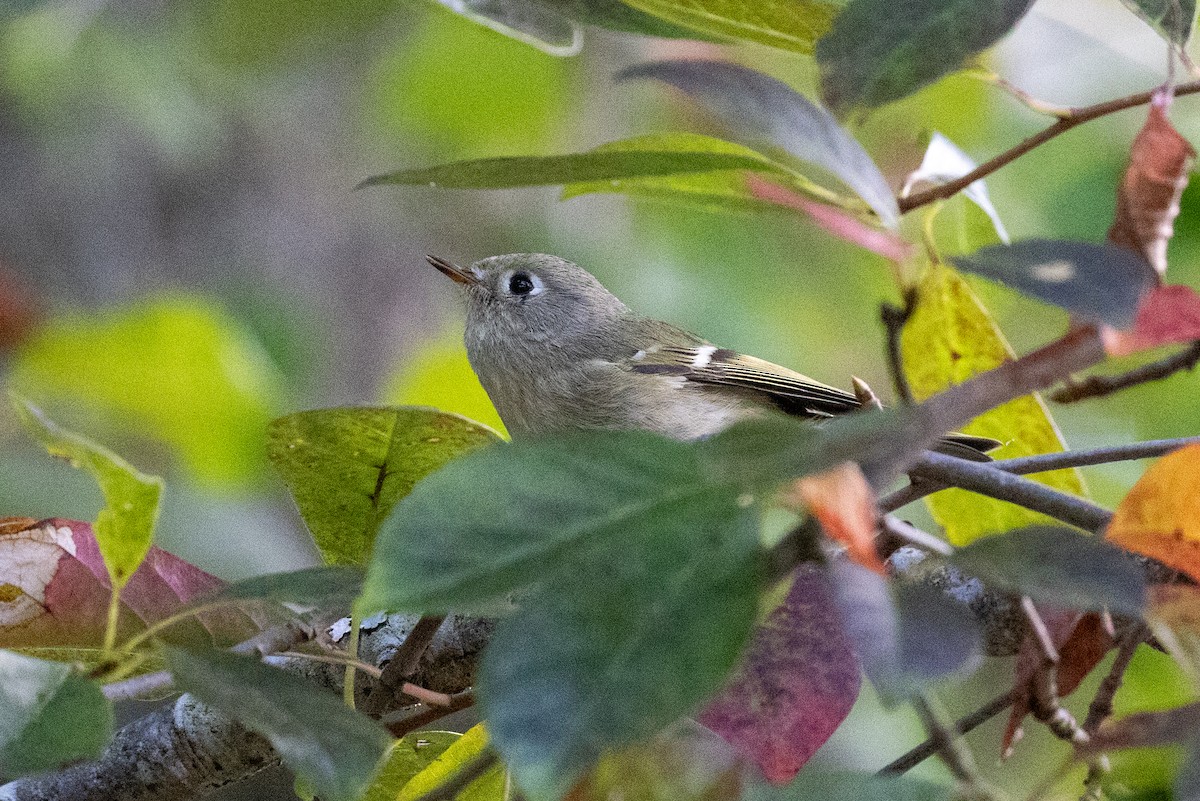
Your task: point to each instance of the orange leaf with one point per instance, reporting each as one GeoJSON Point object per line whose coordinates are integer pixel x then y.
{"type": "Point", "coordinates": [1148, 198]}
{"type": "Point", "coordinates": [1168, 315]}
{"type": "Point", "coordinates": [1160, 517]}
{"type": "Point", "coordinates": [844, 505]}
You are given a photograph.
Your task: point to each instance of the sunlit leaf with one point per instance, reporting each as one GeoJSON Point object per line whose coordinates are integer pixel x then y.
{"type": "Point", "coordinates": [488, 787]}
{"type": "Point", "coordinates": [1173, 19]}
{"type": "Point", "coordinates": [949, 338]}
{"type": "Point", "coordinates": [874, 55]}
{"type": "Point", "coordinates": [347, 467]}
{"type": "Point", "coordinates": [763, 108]}
{"type": "Point", "coordinates": [48, 716]}
{"type": "Point", "coordinates": [796, 684]}
{"type": "Point", "coordinates": [55, 590]}
{"type": "Point", "coordinates": [439, 374]}
{"type": "Point", "coordinates": [175, 367]}
{"type": "Point", "coordinates": [1160, 517]}
{"type": "Point", "coordinates": [535, 24]}
{"type": "Point", "coordinates": [407, 757]}
{"type": "Point", "coordinates": [617, 16]}
{"type": "Point", "coordinates": [943, 162]}
{"type": "Point", "coordinates": [794, 25]}
{"type": "Point", "coordinates": [625, 642]}
{"type": "Point", "coordinates": [654, 157]}
{"type": "Point", "coordinates": [333, 747]}
{"type": "Point", "coordinates": [1059, 566]}
{"type": "Point", "coordinates": [125, 526]}
{"type": "Point", "coordinates": [1160, 162]}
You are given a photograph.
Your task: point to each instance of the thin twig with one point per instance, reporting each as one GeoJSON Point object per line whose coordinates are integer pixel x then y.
{"type": "Point", "coordinates": [962, 726]}
{"type": "Point", "coordinates": [418, 720]}
{"type": "Point", "coordinates": [914, 536]}
{"type": "Point", "coordinates": [894, 318]}
{"type": "Point", "coordinates": [1077, 116]}
{"type": "Point", "coordinates": [1097, 386]}
{"type": "Point", "coordinates": [459, 781]}
{"type": "Point", "coordinates": [984, 479]}
{"type": "Point", "coordinates": [403, 664]}
{"type": "Point", "coordinates": [428, 697]}
{"type": "Point", "coordinates": [1101, 706]}
{"type": "Point", "coordinates": [947, 744]}
{"type": "Point", "coordinates": [1046, 705]}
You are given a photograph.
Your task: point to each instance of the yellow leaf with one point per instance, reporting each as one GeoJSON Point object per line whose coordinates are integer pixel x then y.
{"type": "Point", "coordinates": [1160, 517]}
{"type": "Point", "coordinates": [488, 787]}
{"type": "Point", "coordinates": [949, 338]}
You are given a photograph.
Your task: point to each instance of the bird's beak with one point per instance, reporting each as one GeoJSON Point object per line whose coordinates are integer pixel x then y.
{"type": "Point", "coordinates": [462, 275]}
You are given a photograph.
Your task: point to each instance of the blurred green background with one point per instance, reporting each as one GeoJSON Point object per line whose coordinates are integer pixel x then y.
{"type": "Point", "coordinates": [183, 257]}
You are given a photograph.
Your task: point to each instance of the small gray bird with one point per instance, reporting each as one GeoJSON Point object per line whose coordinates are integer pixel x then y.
{"type": "Point", "coordinates": [555, 351]}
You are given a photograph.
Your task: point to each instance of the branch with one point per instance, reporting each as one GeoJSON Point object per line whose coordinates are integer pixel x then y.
{"type": "Point", "coordinates": [1073, 117]}
{"type": "Point", "coordinates": [1098, 386]}
{"type": "Point", "coordinates": [984, 479]}
{"type": "Point", "coordinates": [187, 748]}
{"type": "Point", "coordinates": [962, 726]}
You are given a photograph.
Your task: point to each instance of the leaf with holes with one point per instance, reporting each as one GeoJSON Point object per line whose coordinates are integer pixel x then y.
{"type": "Point", "coordinates": [347, 467]}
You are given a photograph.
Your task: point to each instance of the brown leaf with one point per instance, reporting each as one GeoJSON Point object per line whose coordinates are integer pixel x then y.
{"type": "Point", "coordinates": [54, 591]}
{"type": "Point", "coordinates": [1082, 640]}
{"type": "Point", "coordinates": [844, 504]}
{"type": "Point", "coordinates": [1148, 198]}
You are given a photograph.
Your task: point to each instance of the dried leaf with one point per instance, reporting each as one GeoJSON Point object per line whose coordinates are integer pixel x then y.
{"type": "Point", "coordinates": [844, 503]}
{"type": "Point", "coordinates": [798, 681]}
{"type": "Point", "coordinates": [54, 592]}
{"type": "Point", "coordinates": [1160, 162]}
{"type": "Point", "coordinates": [1160, 517]}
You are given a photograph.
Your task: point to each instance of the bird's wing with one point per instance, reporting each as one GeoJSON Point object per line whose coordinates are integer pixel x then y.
{"type": "Point", "coordinates": [792, 392]}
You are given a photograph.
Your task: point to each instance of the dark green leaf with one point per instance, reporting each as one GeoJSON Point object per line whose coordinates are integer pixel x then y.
{"type": "Point", "coordinates": [331, 746]}
{"type": "Point", "coordinates": [48, 716]}
{"type": "Point", "coordinates": [1058, 566]}
{"type": "Point", "coordinates": [124, 528]}
{"type": "Point", "coordinates": [827, 785]}
{"type": "Point", "coordinates": [787, 24]}
{"type": "Point", "coordinates": [1101, 282]}
{"type": "Point", "coordinates": [1173, 19]}
{"type": "Point", "coordinates": [764, 108]}
{"type": "Point", "coordinates": [314, 585]}
{"type": "Point", "coordinates": [622, 643]}
{"type": "Point", "coordinates": [508, 172]}
{"type": "Point", "coordinates": [511, 515]}
{"type": "Point", "coordinates": [878, 52]}
{"type": "Point", "coordinates": [348, 467]}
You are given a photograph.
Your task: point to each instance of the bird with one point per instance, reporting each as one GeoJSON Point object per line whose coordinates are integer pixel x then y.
{"type": "Point", "coordinates": [557, 352]}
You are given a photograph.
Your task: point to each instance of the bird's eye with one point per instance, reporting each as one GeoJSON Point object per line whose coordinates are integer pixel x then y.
{"type": "Point", "coordinates": [520, 284]}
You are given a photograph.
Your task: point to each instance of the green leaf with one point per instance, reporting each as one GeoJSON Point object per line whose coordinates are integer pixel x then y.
{"type": "Point", "coordinates": [716, 190]}
{"type": "Point", "coordinates": [617, 16]}
{"type": "Point", "coordinates": [877, 53]}
{"type": "Point", "coordinates": [787, 24]}
{"type": "Point", "coordinates": [532, 23]}
{"type": "Point", "coordinates": [824, 785]}
{"type": "Point", "coordinates": [949, 338]}
{"type": "Point", "coordinates": [330, 745]}
{"type": "Point", "coordinates": [1173, 19]}
{"type": "Point", "coordinates": [407, 757]}
{"type": "Point", "coordinates": [597, 165]}
{"type": "Point", "coordinates": [347, 467]}
{"type": "Point", "coordinates": [48, 716]}
{"type": "Point", "coordinates": [124, 528]}
{"type": "Point", "coordinates": [313, 585]}
{"type": "Point", "coordinates": [626, 641]}
{"type": "Point", "coordinates": [1059, 566]}
{"type": "Point", "coordinates": [488, 787]}
{"type": "Point", "coordinates": [174, 367]}
{"type": "Point", "coordinates": [764, 108]}
{"type": "Point", "coordinates": [1099, 282]}
{"type": "Point", "coordinates": [510, 515]}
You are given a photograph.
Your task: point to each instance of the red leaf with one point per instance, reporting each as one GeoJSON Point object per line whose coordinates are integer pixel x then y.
{"type": "Point", "coordinates": [844, 503]}
{"type": "Point", "coordinates": [1082, 640]}
{"type": "Point", "coordinates": [54, 590]}
{"type": "Point", "coordinates": [1148, 198]}
{"type": "Point", "coordinates": [1168, 315]}
{"type": "Point", "coordinates": [833, 220]}
{"type": "Point", "coordinates": [796, 685]}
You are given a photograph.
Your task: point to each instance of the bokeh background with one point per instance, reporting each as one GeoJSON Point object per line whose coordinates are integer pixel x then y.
{"type": "Point", "coordinates": [183, 255]}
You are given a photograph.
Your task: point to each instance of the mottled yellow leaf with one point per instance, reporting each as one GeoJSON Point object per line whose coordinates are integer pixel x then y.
{"type": "Point", "coordinates": [949, 338]}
